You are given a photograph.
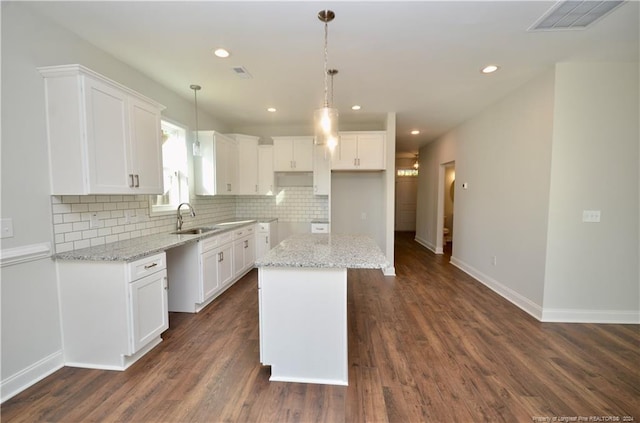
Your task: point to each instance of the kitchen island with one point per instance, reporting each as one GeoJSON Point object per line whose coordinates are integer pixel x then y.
{"type": "Point", "coordinates": [302, 286]}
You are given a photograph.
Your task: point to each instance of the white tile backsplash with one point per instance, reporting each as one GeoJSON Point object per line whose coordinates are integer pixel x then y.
{"type": "Point", "coordinates": [71, 214]}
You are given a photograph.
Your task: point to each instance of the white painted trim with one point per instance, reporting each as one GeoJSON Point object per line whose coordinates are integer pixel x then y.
{"type": "Point", "coordinates": [426, 244]}
{"type": "Point", "coordinates": [509, 294]}
{"type": "Point", "coordinates": [307, 380]}
{"type": "Point", "coordinates": [389, 271]}
{"type": "Point", "coordinates": [25, 253]}
{"type": "Point", "coordinates": [25, 378]}
{"type": "Point", "coordinates": [591, 316]}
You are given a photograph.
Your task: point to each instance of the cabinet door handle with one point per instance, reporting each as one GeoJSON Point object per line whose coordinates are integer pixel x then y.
{"type": "Point", "coordinates": [246, 244]}
{"type": "Point", "coordinates": [137, 178]}
{"type": "Point", "coordinates": [220, 257]}
{"type": "Point", "coordinates": [256, 188]}
{"type": "Point", "coordinates": [266, 239]}
{"type": "Point", "coordinates": [149, 266]}
{"type": "Point", "coordinates": [131, 180]}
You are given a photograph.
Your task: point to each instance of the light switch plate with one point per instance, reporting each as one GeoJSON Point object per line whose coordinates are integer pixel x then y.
{"type": "Point", "coordinates": [591, 216]}
{"type": "Point", "coordinates": [6, 227]}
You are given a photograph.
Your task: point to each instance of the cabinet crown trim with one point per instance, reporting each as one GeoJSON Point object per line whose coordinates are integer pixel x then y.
{"type": "Point", "coordinates": [76, 70]}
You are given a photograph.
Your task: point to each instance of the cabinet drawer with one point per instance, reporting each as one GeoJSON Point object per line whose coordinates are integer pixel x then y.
{"type": "Point", "coordinates": [244, 231]}
{"type": "Point", "coordinates": [263, 227]}
{"type": "Point", "coordinates": [215, 241]}
{"type": "Point", "coordinates": [320, 228]}
{"type": "Point", "coordinates": [146, 266]}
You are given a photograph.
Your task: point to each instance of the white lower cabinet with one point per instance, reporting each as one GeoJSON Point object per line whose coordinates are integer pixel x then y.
{"type": "Point", "coordinates": [244, 250]}
{"type": "Point", "coordinates": [112, 312]}
{"type": "Point", "coordinates": [266, 237]}
{"type": "Point", "coordinates": [200, 271]}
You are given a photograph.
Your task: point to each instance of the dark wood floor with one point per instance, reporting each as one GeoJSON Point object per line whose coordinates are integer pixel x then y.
{"type": "Point", "coordinates": [431, 344]}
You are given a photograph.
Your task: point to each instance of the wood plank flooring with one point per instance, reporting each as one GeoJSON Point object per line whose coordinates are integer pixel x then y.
{"type": "Point", "coordinates": [430, 344]}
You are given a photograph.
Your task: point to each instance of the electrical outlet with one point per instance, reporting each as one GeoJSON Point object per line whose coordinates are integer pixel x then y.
{"type": "Point", "coordinates": [591, 216]}
{"type": "Point", "coordinates": [494, 260]}
{"type": "Point", "coordinates": [363, 216]}
{"type": "Point", "coordinates": [6, 227]}
{"type": "Point", "coordinates": [94, 222]}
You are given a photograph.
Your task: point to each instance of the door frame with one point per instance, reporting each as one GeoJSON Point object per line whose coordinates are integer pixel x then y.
{"type": "Point", "coordinates": [440, 213]}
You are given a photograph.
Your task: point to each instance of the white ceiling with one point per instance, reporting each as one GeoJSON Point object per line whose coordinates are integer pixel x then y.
{"type": "Point", "coordinates": [418, 59]}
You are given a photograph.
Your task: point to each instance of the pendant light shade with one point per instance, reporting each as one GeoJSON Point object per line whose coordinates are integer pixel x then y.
{"type": "Point", "coordinates": [196, 143]}
{"type": "Point", "coordinates": [325, 119]}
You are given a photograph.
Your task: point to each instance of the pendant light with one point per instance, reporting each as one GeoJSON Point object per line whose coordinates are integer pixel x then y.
{"type": "Point", "coordinates": [326, 118]}
{"type": "Point", "coordinates": [196, 143]}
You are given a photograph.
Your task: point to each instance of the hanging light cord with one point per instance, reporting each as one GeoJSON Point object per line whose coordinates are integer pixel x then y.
{"type": "Point", "coordinates": [326, 70]}
{"type": "Point", "coordinates": [195, 96]}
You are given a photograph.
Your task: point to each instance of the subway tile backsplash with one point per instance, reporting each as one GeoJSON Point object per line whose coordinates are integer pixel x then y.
{"type": "Point", "coordinates": [122, 217]}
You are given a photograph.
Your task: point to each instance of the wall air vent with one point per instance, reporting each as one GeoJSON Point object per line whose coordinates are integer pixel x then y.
{"type": "Point", "coordinates": [241, 72]}
{"type": "Point", "coordinates": [574, 14]}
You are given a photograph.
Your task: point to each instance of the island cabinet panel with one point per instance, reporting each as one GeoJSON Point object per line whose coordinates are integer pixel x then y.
{"type": "Point", "coordinates": [112, 313]}
{"type": "Point", "coordinates": [303, 324]}
{"type": "Point", "coordinates": [103, 137]}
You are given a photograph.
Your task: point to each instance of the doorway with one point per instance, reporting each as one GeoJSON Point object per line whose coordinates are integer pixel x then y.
{"type": "Point", "coordinates": [406, 197]}
{"type": "Point", "coordinates": [445, 217]}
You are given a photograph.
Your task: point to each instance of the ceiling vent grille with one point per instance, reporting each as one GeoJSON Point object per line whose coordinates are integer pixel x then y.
{"type": "Point", "coordinates": [241, 72]}
{"type": "Point", "coordinates": [574, 14]}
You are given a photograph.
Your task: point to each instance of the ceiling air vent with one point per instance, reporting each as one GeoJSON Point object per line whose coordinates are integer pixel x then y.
{"type": "Point", "coordinates": [241, 72]}
{"type": "Point", "coordinates": [573, 14]}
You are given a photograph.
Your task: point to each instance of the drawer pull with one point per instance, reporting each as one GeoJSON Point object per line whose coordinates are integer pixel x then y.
{"type": "Point", "coordinates": [149, 266]}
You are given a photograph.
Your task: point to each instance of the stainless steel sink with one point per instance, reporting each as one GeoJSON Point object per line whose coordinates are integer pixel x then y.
{"type": "Point", "coordinates": [195, 231]}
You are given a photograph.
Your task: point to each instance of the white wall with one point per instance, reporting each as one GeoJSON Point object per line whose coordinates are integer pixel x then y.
{"type": "Point", "coordinates": [31, 341]}
{"type": "Point", "coordinates": [592, 268]}
{"type": "Point", "coordinates": [504, 154]}
{"type": "Point", "coordinates": [355, 193]}
{"type": "Point", "coordinates": [432, 157]}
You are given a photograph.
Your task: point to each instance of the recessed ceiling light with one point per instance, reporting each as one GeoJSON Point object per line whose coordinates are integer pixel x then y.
{"type": "Point", "coordinates": [356, 107]}
{"type": "Point", "coordinates": [415, 132]}
{"type": "Point", "coordinates": [222, 53]}
{"type": "Point", "coordinates": [490, 69]}
{"type": "Point", "coordinates": [271, 109]}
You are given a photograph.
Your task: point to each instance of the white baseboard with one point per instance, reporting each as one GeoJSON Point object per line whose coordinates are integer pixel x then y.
{"type": "Point", "coordinates": [426, 244]}
{"type": "Point", "coordinates": [20, 381]}
{"type": "Point", "coordinates": [549, 315]}
{"type": "Point", "coordinates": [591, 316]}
{"type": "Point", "coordinates": [509, 294]}
{"type": "Point", "coordinates": [389, 271]}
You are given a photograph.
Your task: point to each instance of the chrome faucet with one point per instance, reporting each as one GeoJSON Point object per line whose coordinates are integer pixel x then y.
{"type": "Point", "coordinates": [192, 212]}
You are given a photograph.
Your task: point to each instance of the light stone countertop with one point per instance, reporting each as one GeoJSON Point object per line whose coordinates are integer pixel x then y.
{"type": "Point", "coordinates": [326, 251]}
{"type": "Point", "coordinates": [136, 248]}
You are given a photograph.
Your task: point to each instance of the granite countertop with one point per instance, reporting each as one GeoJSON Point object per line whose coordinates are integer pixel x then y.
{"type": "Point", "coordinates": [133, 249]}
{"type": "Point", "coordinates": [325, 251]}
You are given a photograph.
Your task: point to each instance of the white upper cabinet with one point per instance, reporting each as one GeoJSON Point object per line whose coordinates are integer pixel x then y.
{"type": "Point", "coordinates": [248, 166]}
{"type": "Point", "coordinates": [255, 165]}
{"type": "Point", "coordinates": [293, 154]}
{"type": "Point", "coordinates": [360, 151]}
{"type": "Point", "coordinates": [103, 138]}
{"type": "Point", "coordinates": [216, 170]}
{"type": "Point", "coordinates": [266, 180]}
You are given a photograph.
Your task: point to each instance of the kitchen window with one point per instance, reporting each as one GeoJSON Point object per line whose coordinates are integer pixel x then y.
{"type": "Point", "coordinates": [174, 170]}
{"type": "Point", "coordinates": [407, 172]}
